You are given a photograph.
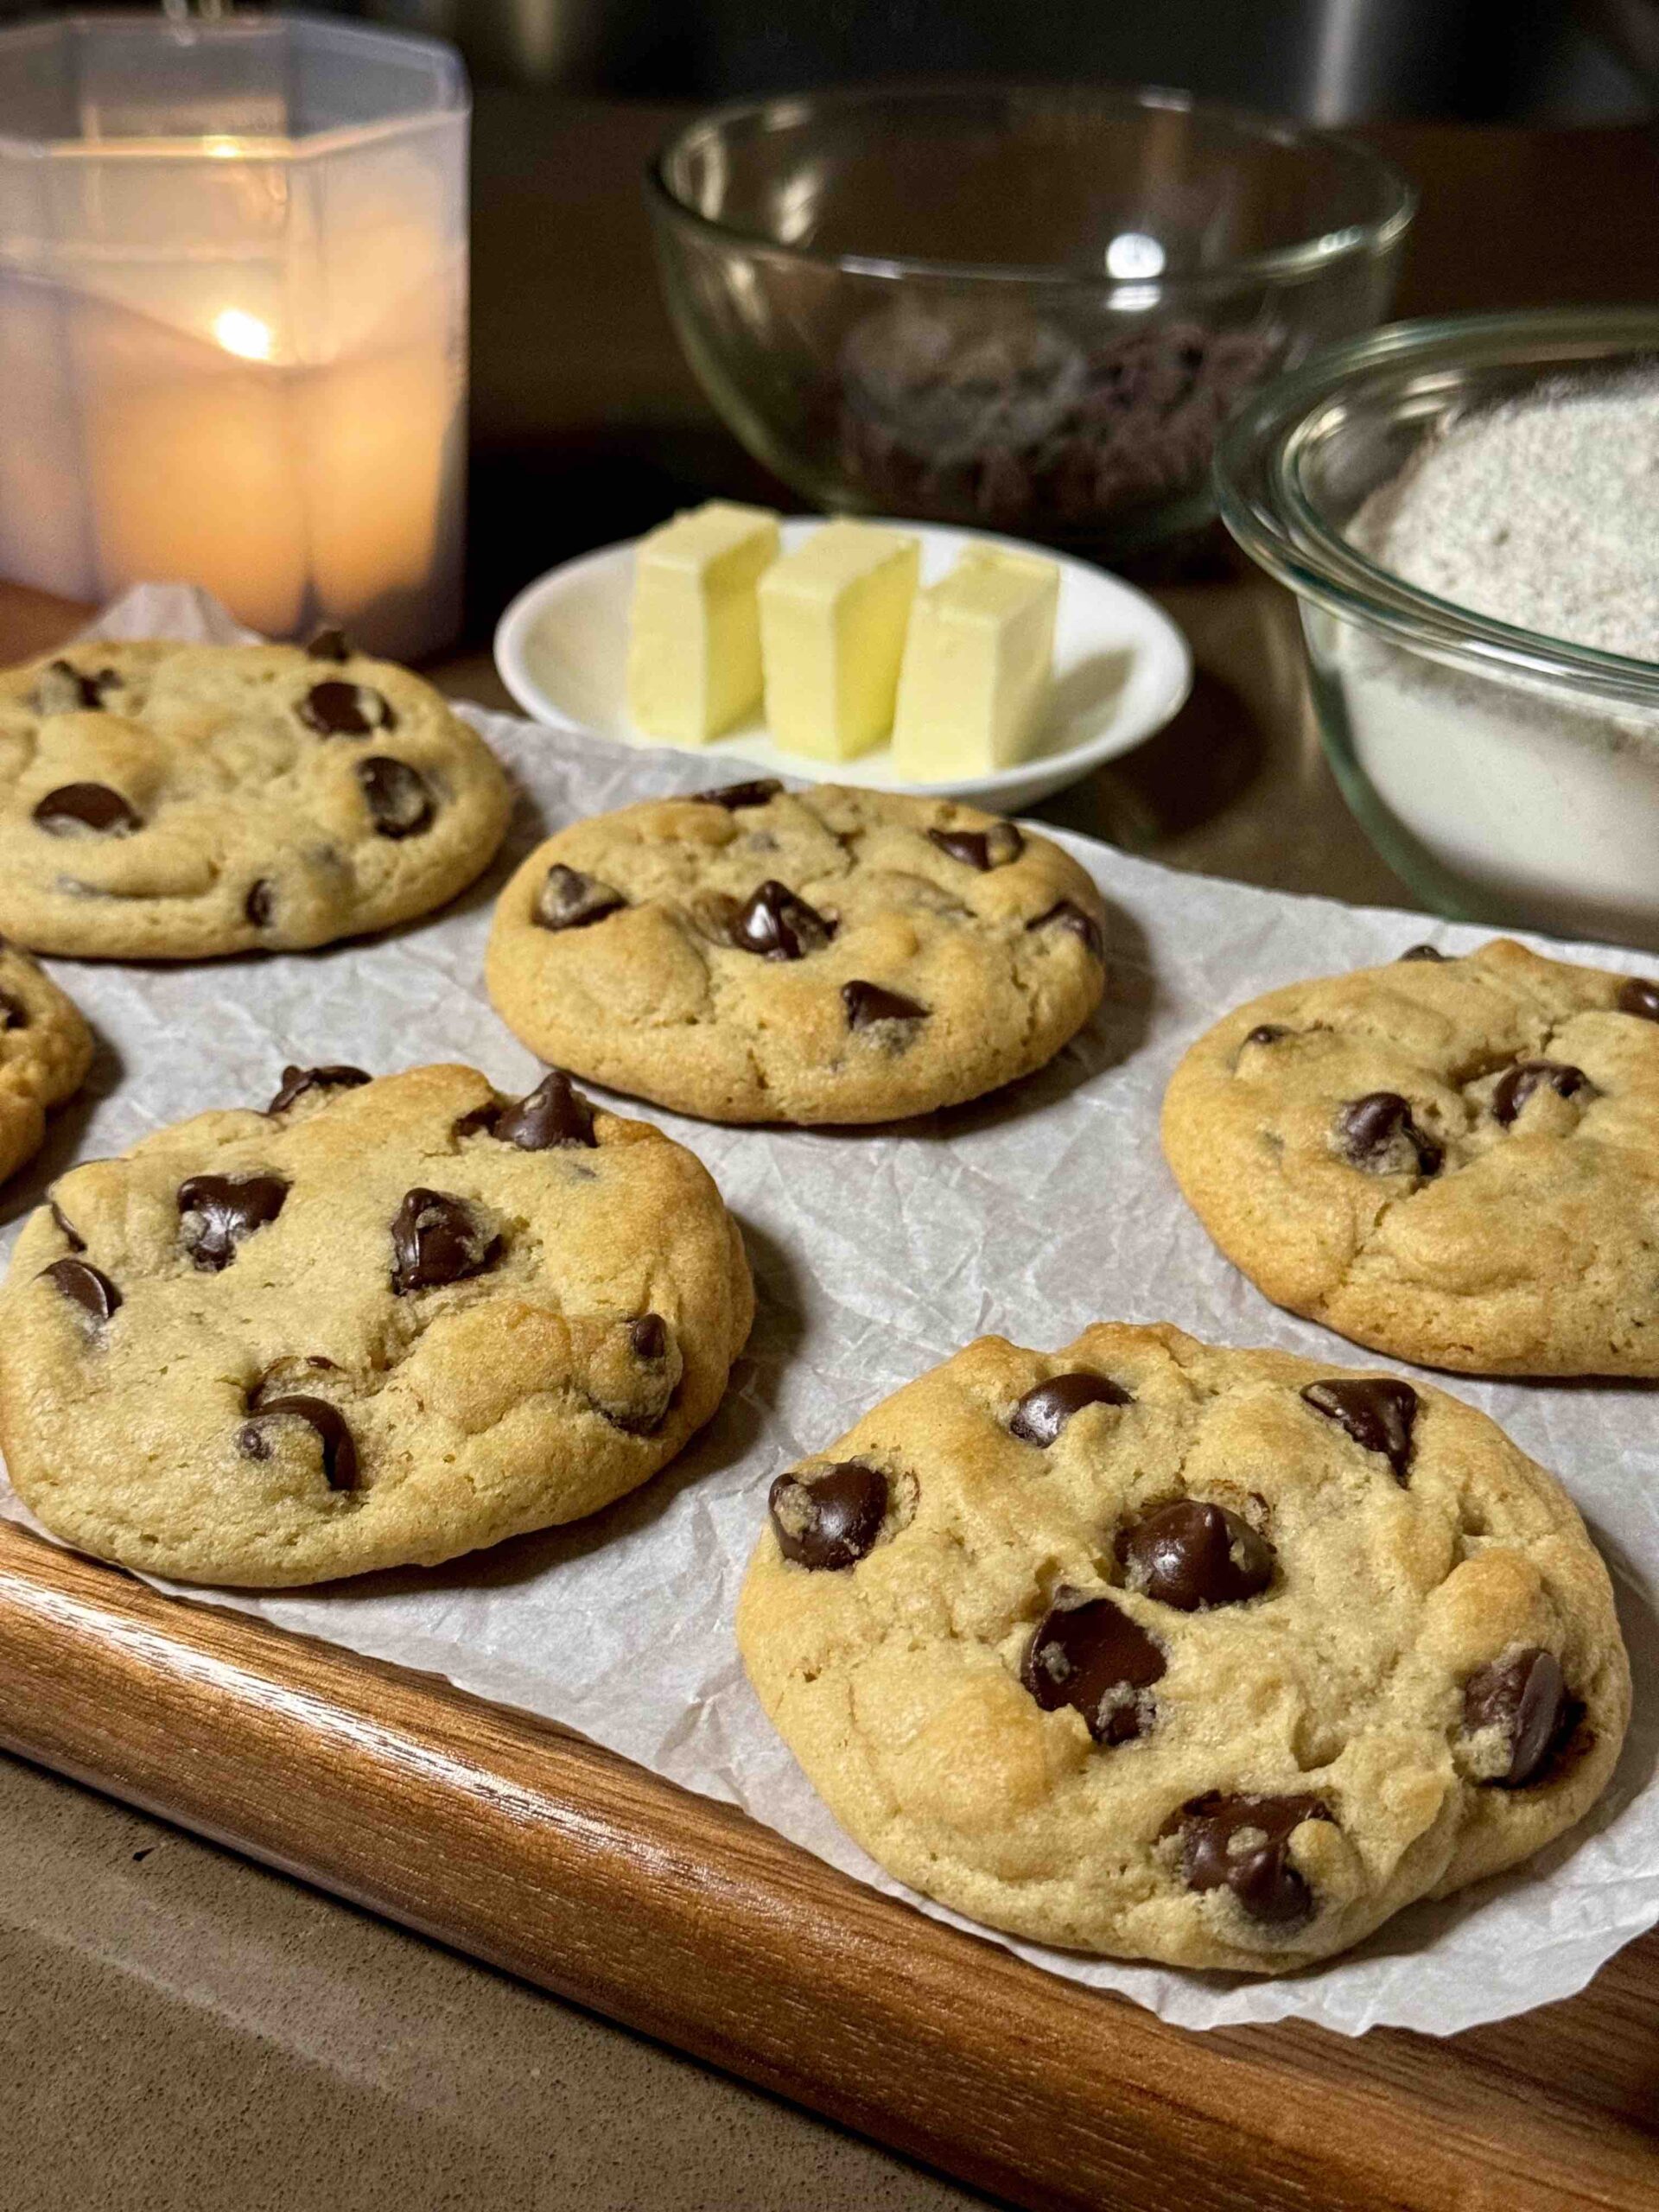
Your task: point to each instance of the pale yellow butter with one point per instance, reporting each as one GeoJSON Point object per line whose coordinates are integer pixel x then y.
{"type": "Point", "coordinates": [977, 666]}
{"type": "Point", "coordinates": [832, 635]}
{"type": "Point", "coordinates": [694, 640]}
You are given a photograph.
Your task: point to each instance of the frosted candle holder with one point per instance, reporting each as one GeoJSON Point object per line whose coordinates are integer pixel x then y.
{"type": "Point", "coordinates": [232, 317]}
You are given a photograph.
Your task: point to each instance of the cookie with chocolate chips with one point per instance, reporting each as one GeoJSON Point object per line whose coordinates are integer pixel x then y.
{"type": "Point", "coordinates": [372, 1324]}
{"type": "Point", "coordinates": [1452, 1161]}
{"type": "Point", "coordinates": [45, 1049]}
{"type": "Point", "coordinates": [823, 956]}
{"type": "Point", "coordinates": [173, 802]}
{"type": "Point", "coordinates": [1215, 1657]}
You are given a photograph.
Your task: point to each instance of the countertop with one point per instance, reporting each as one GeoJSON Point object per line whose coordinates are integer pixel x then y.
{"type": "Point", "coordinates": [182, 2029]}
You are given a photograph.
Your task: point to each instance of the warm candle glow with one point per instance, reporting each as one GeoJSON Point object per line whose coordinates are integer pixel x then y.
{"type": "Point", "coordinates": [239, 332]}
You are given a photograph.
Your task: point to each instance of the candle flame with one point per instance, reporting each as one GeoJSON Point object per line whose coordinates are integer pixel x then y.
{"type": "Point", "coordinates": [239, 332]}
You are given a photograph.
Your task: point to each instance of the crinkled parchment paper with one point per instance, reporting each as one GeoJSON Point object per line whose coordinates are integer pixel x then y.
{"type": "Point", "coordinates": [876, 1255]}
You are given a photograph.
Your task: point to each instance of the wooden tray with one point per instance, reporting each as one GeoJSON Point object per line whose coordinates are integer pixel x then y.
{"type": "Point", "coordinates": [527, 1846]}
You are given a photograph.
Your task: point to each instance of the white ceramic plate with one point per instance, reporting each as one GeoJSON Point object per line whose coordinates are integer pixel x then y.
{"type": "Point", "coordinates": [1122, 669]}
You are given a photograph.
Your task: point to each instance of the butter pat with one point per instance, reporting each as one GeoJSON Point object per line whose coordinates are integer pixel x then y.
{"type": "Point", "coordinates": [977, 666]}
{"type": "Point", "coordinates": [693, 643]}
{"type": "Point", "coordinates": [833, 615]}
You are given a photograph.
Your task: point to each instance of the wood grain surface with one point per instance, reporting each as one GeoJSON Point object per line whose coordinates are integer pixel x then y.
{"type": "Point", "coordinates": [531, 1848]}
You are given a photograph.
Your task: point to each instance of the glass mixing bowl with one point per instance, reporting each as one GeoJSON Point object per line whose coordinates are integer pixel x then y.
{"type": "Point", "coordinates": [1029, 310]}
{"type": "Point", "coordinates": [1508, 776]}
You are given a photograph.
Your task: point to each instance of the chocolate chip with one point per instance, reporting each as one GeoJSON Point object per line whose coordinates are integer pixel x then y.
{"type": "Point", "coordinates": [330, 645]}
{"type": "Point", "coordinates": [1266, 1032]}
{"type": "Point", "coordinates": [1378, 1411]}
{"type": "Point", "coordinates": [1638, 996]}
{"type": "Point", "coordinates": [1066, 914]}
{"type": "Point", "coordinates": [14, 1014]}
{"type": "Point", "coordinates": [1087, 1653]}
{"type": "Point", "coordinates": [831, 1517]}
{"type": "Point", "coordinates": [1378, 1133]}
{"type": "Point", "coordinates": [76, 1242]}
{"type": "Point", "coordinates": [217, 1212]}
{"type": "Point", "coordinates": [90, 1288]}
{"type": "Point", "coordinates": [1192, 1556]}
{"type": "Point", "coordinates": [74, 807]}
{"type": "Point", "coordinates": [398, 796]}
{"type": "Point", "coordinates": [337, 709]}
{"type": "Point", "coordinates": [436, 1240]}
{"type": "Point", "coordinates": [571, 900]}
{"type": "Point", "coordinates": [297, 1082]}
{"type": "Point", "coordinates": [648, 1336]}
{"type": "Point", "coordinates": [1243, 1844]}
{"type": "Point", "coordinates": [734, 796]}
{"type": "Point", "coordinates": [778, 925]}
{"type": "Point", "coordinates": [553, 1115]}
{"type": "Point", "coordinates": [1525, 1696]}
{"type": "Point", "coordinates": [1043, 1413]}
{"type": "Point", "coordinates": [62, 690]}
{"type": "Point", "coordinates": [869, 1003]}
{"type": "Point", "coordinates": [1422, 952]}
{"type": "Point", "coordinates": [1516, 1084]}
{"type": "Point", "coordinates": [258, 905]}
{"type": "Point", "coordinates": [981, 848]}
{"type": "Point", "coordinates": [339, 1452]}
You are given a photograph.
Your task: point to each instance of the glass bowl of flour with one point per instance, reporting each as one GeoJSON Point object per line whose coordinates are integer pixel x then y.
{"type": "Point", "coordinates": [1468, 511]}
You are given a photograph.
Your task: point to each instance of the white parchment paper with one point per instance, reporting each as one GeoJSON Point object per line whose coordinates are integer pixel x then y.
{"type": "Point", "coordinates": [875, 1256]}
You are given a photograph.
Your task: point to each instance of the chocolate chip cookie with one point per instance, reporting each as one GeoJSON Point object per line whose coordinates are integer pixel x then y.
{"type": "Point", "coordinates": [823, 955]}
{"type": "Point", "coordinates": [380, 1322]}
{"type": "Point", "coordinates": [45, 1049]}
{"type": "Point", "coordinates": [173, 802]}
{"type": "Point", "coordinates": [1456, 1161]}
{"type": "Point", "coordinates": [1209, 1656]}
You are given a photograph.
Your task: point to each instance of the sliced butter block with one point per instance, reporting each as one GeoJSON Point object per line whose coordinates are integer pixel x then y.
{"type": "Point", "coordinates": [833, 615]}
{"type": "Point", "coordinates": [694, 642]}
{"type": "Point", "coordinates": [977, 666]}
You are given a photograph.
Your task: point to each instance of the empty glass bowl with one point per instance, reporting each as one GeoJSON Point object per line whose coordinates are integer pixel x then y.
{"type": "Point", "coordinates": [1026, 309]}
{"type": "Point", "coordinates": [1507, 776]}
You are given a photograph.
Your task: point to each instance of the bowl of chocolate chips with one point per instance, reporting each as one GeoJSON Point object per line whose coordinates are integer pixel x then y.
{"type": "Point", "coordinates": [1023, 308]}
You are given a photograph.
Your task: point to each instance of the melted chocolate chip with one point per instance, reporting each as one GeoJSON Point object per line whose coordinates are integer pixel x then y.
{"type": "Point", "coordinates": [648, 1337]}
{"type": "Point", "coordinates": [297, 1082]}
{"type": "Point", "coordinates": [1638, 996]}
{"type": "Point", "coordinates": [74, 807]}
{"type": "Point", "coordinates": [62, 690]}
{"type": "Point", "coordinates": [1192, 1556]}
{"type": "Point", "coordinates": [14, 1014]}
{"type": "Point", "coordinates": [339, 1452]}
{"type": "Point", "coordinates": [1266, 1032]}
{"type": "Point", "coordinates": [868, 1002]}
{"type": "Point", "coordinates": [1378, 1411]}
{"type": "Point", "coordinates": [1422, 952]}
{"type": "Point", "coordinates": [76, 1242]}
{"type": "Point", "coordinates": [981, 848]}
{"type": "Point", "coordinates": [1066, 914]}
{"type": "Point", "coordinates": [398, 796]}
{"type": "Point", "coordinates": [1043, 1413]}
{"type": "Point", "coordinates": [89, 1288]}
{"type": "Point", "coordinates": [334, 709]}
{"type": "Point", "coordinates": [330, 645]}
{"type": "Point", "coordinates": [554, 1114]}
{"type": "Point", "coordinates": [1243, 1844]}
{"type": "Point", "coordinates": [1516, 1084]}
{"type": "Point", "coordinates": [1378, 1133]}
{"type": "Point", "coordinates": [1525, 1696]}
{"type": "Point", "coordinates": [258, 905]}
{"type": "Point", "coordinates": [778, 925]}
{"type": "Point", "coordinates": [831, 1517]}
{"type": "Point", "coordinates": [569, 900]}
{"type": "Point", "coordinates": [217, 1212]}
{"type": "Point", "coordinates": [734, 796]}
{"type": "Point", "coordinates": [436, 1240]}
{"type": "Point", "coordinates": [1086, 1652]}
